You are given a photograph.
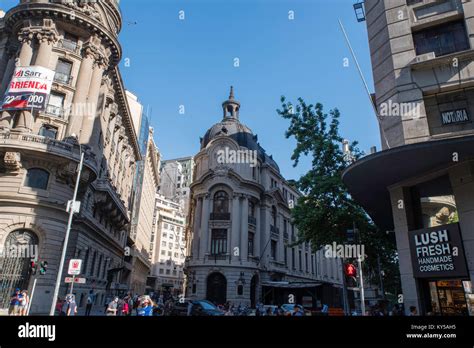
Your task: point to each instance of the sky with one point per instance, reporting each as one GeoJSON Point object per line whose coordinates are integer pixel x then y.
{"type": "Point", "coordinates": [170, 63]}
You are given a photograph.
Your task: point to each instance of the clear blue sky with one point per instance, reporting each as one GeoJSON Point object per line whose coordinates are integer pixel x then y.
{"type": "Point", "coordinates": [175, 62]}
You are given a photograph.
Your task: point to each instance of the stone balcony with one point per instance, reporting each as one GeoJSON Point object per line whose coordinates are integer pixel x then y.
{"type": "Point", "coordinates": [26, 143]}
{"type": "Point", "coordinates": [277, 266]}
{"type": "Point", "coordinates": [111, 203]}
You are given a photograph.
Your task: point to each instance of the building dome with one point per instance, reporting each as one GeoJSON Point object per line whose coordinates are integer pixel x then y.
{"type": "Point", "coordinates": [232, 127]}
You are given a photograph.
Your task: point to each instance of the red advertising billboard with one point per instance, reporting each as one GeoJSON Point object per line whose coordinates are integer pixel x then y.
{"type": "Point", "coordinates": [29, 88]}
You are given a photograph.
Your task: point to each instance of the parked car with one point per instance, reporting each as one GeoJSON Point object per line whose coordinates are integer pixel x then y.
{"type": "Point", "coordinates": [271, 307]}
{"type": "Point", "coordinates": [205, 308]}
{"type": "Point", "coordinates": [199, 308]}
{"type": "Point", "coordinates": [288, 309]}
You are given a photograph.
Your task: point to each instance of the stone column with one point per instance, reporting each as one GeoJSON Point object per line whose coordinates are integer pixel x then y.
{"type": "Point", "coordinates": [25, 118]}
{"type": "Point", "coordinates": [204, 233]}
{"type": "Point", "coordinates": [266, 237]}
{"type": "Point", "coordinates": [258, 232]}
{"type": "Point", "coordinates": [46, 38]}
{"type": "Point", "coordinates": [244, 233]}
{"type": "Point", "coordinates": [196, 228]}
{"type": "Point", "coordinates": [281, 247]}
{"type": "Point", "coordinates": [411, 295]}
{"type": "Point", "coordinates": [82, 90]}
{"type": "Point", "coordinates": [234, 233]}
{"type": "Point", "coordinates": [6, 116]}
{"type": "Point", "coordinates": [462, 182]}
{"type": "Point", "coordinates": [90, 122]}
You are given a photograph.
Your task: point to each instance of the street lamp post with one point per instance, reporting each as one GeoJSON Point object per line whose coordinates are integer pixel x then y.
{"type": "Point", "coordinates": [73, 208]}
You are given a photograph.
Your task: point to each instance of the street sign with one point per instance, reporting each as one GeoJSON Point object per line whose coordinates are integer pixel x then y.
{"type": "Point", "coordinates": [75, 280]}
{"type": "Point", "coordinates": [75, 267]}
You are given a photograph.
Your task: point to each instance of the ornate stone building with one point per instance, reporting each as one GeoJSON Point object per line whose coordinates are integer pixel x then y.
{"type": "Point", "coordinates": [40, 149]}
{"type": "Point", "coordinates": [242, 242]}
{"type": "Point", "coordinates": [142, 234]}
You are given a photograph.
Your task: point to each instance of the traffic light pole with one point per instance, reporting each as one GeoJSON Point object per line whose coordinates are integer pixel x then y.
{"type": "Point", "coordinates": [66, 238]}
{"type": "Point", "coordinates": [361, 276]}
{"type": "Point", "coordinates": [361, 286]}
{"type": "Point", "coordinates": [32, 295]}
{"type": "Point", "coordinates": [344, 289]}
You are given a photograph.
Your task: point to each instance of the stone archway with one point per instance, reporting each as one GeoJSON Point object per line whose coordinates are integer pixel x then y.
{"type": "Point", "coordinates": [216, 288]}
{"type": "Point", "coordinates": [19, 249]}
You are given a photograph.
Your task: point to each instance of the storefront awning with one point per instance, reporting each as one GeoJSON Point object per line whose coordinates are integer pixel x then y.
{"type": "Point", "coordinates": [368, 179]}
{"type": "Point", "coordinates": [291, 285]}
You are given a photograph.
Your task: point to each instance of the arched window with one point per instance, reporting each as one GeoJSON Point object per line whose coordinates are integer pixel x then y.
{"type": "Point", "coordinates": [15, 271]}
{"type": "Point", "coordinates": [37, 178]}
{"type": "Point", "coordinates": [221, 202]}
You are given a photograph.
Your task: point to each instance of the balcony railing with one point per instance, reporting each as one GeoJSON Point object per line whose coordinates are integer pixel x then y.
{"type": "Point", "coordinates": [54, 110]}
{"type": "Point", "coordinates": [218, 257]}
{"type": "Point", "coordinates": [220, 216]}
{"type": "Point", "coordinates": [274, 229]}
{"type": "Point", "coordinates": [285, 235]}
{"type": "Point", "coordinates": [69, 45]}
{"type": "Point", "coordinates": [53, 146]}
{"type": "Point", "coordinates": [252, 220]}
{"type": "Point", "coordinates": [62, 78]}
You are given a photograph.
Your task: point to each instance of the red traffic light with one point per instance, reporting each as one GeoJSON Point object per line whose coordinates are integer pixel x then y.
{"type": "Point", "coordinates": [350, 270]}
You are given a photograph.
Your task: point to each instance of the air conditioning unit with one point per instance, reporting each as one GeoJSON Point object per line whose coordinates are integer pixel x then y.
{"type": "Point", "coordinates": [424, 57]}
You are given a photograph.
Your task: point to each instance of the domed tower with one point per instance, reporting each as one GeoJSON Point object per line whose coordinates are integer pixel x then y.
{"type": "Point", "coordinates": [62, 94]}
{"type": "Point", "coordinates": [240, 224]}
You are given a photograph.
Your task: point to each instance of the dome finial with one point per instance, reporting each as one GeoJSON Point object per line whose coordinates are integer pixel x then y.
{"type": "Point", "coordinates": [231, 106]}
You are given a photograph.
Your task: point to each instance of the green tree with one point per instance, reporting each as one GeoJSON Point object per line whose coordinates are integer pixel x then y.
{"type": "Point", "coordinates": [326, 210]}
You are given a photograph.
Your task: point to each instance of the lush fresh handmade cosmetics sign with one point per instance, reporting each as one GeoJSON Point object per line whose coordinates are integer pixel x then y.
{"type": "Point", "coordinates": [29, 88]}
{"type": "Point", "coordinates": [438, 252]}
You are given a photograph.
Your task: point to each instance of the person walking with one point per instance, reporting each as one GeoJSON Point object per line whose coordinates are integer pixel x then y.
{"type": "Point", "coordinates": [70, 306]}
{"type": "Point", "coordinates": [112, 307]}
{"type": "Point", "coordinates": [90, 301]}
{"type": "Point", "coordinates": [413, 311]}
{"type": "Point", "coordinates": [14, 303]}
{"type": "Point", "coordinates": [297, 312]}
{"type": "Point", "coordinates": [24, 303]}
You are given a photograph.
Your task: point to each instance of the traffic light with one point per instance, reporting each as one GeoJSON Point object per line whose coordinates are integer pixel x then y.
{"type": "Point", "coordinates": [350, 270]}
{"type": "Point", "coordinates": [43, 267]}
{"type": "Point", "coordinates": [33, 267]}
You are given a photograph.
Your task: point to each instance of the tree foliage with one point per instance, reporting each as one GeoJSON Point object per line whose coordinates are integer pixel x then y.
{"type": "Point", "coordinates": [326, 210]}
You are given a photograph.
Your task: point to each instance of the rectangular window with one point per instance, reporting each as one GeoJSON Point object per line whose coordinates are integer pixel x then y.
{"type": "Point", "coordinates": [69, 42]}
{"type": "Point", "coordinates": [273, 249]}
{"type": "Point", "coordinates": [163, 252]}
{"type": "Point", "coordinates": [161, 270]}
{"type": "Point", "coordinates": [306, 262]}
{"type": "Point", "coordinates": [442, 39]}
{"type": "Point", "coordinates": [218, 241]}
{"type": "Point", "coordinates": [55, 104]}
{"type": "Point", "coordinates": [167, 271]}
{"type": "Point", "coordinates": [300, 260]}
{"type": "Point", "coordinates": [63, 72]}
{"type": "Point", "coordinates": [250, 244]}
{"type": "Point", "coordinates": [48, 131]}
{"type": "Point", "coordinates": [285, 251]}
{"type": "Point", "coordinates": [293, 258]}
